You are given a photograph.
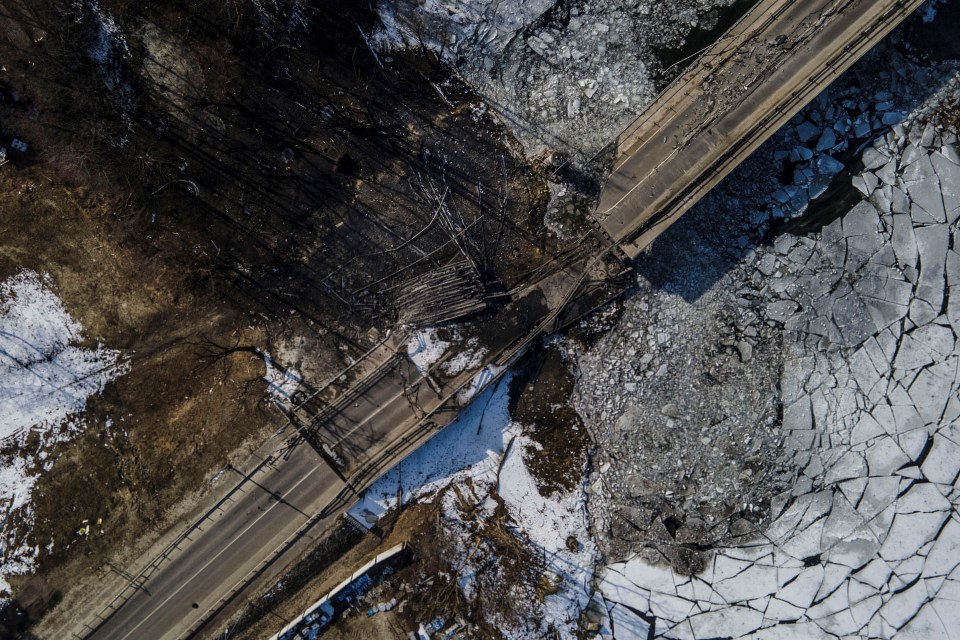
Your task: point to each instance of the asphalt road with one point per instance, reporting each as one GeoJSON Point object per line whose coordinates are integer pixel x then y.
{"type": "Point", "coordinates": [265, 510]}
{"type": "Point", "coordinates": [270, 506]}
{"type": "Point", "coordinates": [764, 70]}
{"type": "Point", "coordinates": [357, 428]}
{"type": "Point", "coordinates": [387, 412]}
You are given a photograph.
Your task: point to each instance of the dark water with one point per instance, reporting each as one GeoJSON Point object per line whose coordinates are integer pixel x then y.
{"type": "Point", "coordinates": [839, 198]}
{"type": "Point", "coordinates": [939, 40]}
{"type": "Point", "coordinates": [673, 61]}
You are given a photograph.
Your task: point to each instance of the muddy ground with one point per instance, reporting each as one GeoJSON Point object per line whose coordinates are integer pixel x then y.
{"type": "Point", "coordinates": [207, 178]}
{"type": "Point", "coordinates": [173, 416]}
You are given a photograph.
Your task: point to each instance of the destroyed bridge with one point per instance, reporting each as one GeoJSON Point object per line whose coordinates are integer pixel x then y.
{"type": "Point", "coordinates": [768, 66]}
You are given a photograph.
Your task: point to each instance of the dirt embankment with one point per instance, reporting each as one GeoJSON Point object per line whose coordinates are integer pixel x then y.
{"type": "Point", "coordinates": [205, 176]}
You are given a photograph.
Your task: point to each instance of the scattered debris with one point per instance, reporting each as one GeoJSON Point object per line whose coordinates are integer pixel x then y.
{"type": "Point", "coordinates": [322, 613]}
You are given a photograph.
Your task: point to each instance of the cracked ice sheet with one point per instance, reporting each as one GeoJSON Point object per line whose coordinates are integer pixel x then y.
{"type": "Point", "coordinates": [879, 548]}
{"type": "Point", "coordinates": [46, 377]}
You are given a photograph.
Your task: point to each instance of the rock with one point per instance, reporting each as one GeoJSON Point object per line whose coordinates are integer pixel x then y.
{"type": "Point", "coordinates": [945, 554]}
{"type": "Point", "coordinates": [888, 173]}
{"type": "Point", "coordinates": [949, 174]}
{"type": "Point", "coordinates": [892, 117]}
{"type": "Point", "coordinates": [850, 465]}
{"type": "Point", "coordinates": [861, 228]}
{"type": "Point", "coordinates": [828, 165]}
{"type": "Point", "coordinates": [937, 339]}
{"type": "Point", "coordinates": [949, 151]}
{"type": "Point", "coordinates": [828, 139]}
{"type": "Point", "coordinates": [919, 169]}
{"type": "Point", "coordinates": [909, 532]}
{"type": "Point", "coordinates": [783, 244]}
{"type": "Point", "coordinates": [767, 264]}
{"type": "Point", "coordinates": [755, 581]}
{"type": "Point", "coordinates": [925, 193]}
{"type": "Point", "coordinates": [911, 154]}
{"type": "Point", "coordinates": [852, 319]}
{"type": "Point", "coordinates": [861, 127]}
{"type": "Point", "coordinates": [618, 588]}
{"type": "Point", "coordinates": [803, 589]}
{"type": "Point", "coordinates": [865, 183]}
{"type": "Point", "coordinates": [537, 45]}
{"type": "Point", "coordinates": [932, 242]}
{"type": "Point", "coordinates": [733, 621]}
{"type": "Point", "coordinates": [807, 131]}
{"type": "Point", "coordinates": [922, 498]}
{"type": "Point", "coordinates": [651, 577]}
{"type": "Point", "coordinates": [885, 456]}
{"type": "Point", "coordinates": [935, 621]}
{"type": "Point", "coordinates": [640, 487]}
{"type": "Point", "coordinates": [826, 612]}
{"type": "Point", "coordinates": [781, 310]}
{"type": "Point", "coordinates": [882, 199]}
{"type": "Point", "coordinates": [841, 522]}
{"type": "Point", "coordinates": [942, 463]}
{"type": "Point", "coordinates": [904, 240]}
{"type": "Point", "coordinates": [855, 550]}
{"type": "Point", "coordinates": [874, 159]}
{"type": "Point", "coordinates": [927, 138]}
{"type": "Point", "coordinates": [670, 410]}
{"type": "Point", "coordinates": [878, 495]}
{"type": "Point", "coordinates": [903, 605]}
{"type": "Point", "coordinates": [628, 623]}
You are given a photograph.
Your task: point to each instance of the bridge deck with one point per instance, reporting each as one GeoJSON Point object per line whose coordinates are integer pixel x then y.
{"type": "Point", "coordinates": [755, 78]}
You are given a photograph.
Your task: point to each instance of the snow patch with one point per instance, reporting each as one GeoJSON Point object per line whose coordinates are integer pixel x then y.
{"type": "Point", "coordinates": [928, 12]}
{"type": "Point", "coordinates": [425, 348]}
{"type": "Point", "coordinates": [46, 377]}
{"type": "Point", "coordinates": [470, 447]}
{"type": "Point", "coordinates": [473, 447]}
{"type": "Point", "coordinates": [550, 522]}
{"type": "Point", "coordinates": [479, 382]}
{"type": "Point", "coordinates": [109, 49]}
{"type": "Point", "coordinates": [470, 358]}
{"type": "Point", "coordinates": [282, 383]}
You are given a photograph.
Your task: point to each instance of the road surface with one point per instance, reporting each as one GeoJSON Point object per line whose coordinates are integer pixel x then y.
{"type": "Point", "coordinates": [776, 59]}
{"type": "Point", "coordinates": [263, 513]}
